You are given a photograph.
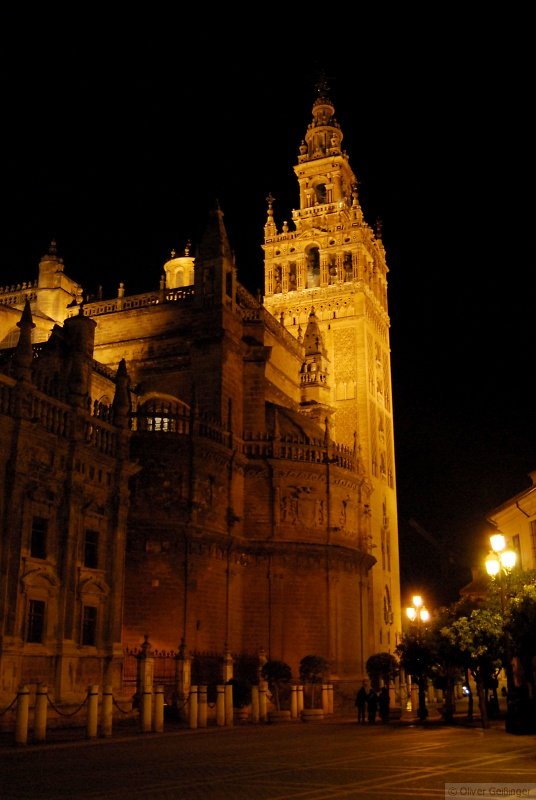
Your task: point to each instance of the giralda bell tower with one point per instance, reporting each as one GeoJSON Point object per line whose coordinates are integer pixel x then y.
{"type": "Point", "coordinates": [333, 265]}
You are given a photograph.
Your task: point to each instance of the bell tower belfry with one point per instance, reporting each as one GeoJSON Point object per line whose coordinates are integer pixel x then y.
{"type": "Point", "coordinates": [333, 264]}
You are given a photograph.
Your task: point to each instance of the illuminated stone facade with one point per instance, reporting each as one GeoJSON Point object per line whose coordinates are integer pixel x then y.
{"type": "Point", "coordinates": [262, 506]}
{"type": "Point", "coordinates": [64, 467]}
{"type": "Point", "coordinates": [332, 262]}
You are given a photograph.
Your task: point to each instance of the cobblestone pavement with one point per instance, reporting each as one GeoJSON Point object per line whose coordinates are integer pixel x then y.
{"type": "Point", "coordinates": [325, 760]}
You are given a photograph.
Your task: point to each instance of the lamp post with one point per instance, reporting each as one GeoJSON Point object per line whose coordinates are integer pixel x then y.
{"type": "Point", "coordinates": [499, 564]}
{"type": "Point", "coordinates": [418, 614]}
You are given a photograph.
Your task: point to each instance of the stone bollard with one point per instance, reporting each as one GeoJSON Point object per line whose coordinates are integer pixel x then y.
{"type": "Point", "coordinates": [107, 711]}
{"type": "Point", "coordinates": [263, 703]}
{"type": "Point", "coordinates": [92, 711]}
{"type": "Point", "coordinates": [144, 666]}
{"type": "Point", "coordinates": [158, 709]}
{"type": "Point", "coordinates": [294, 702]}
{"type": "Point", "coordinates": [220, 705]}
{"type": "Point", "coordinates": [325, 698]}
{"type": "Point", "coordinates": [202, 708]}
{"type": "Point", "coordinates": [40, 714]}
{"type": "Point", "coordinates": [330, 698]}
{"type": "Point", "coordinates": [300, 699]}
{"type": "Point", "coordinates": [21, 723]}
{"type": "Point", "coordinates": [255, 710]}
{"type": "Point", "coordinates": [229, 711]}
{"type": "Point", "coordinates": [146, 709]}
{"type": "Point", "coordinates": [193, 707]}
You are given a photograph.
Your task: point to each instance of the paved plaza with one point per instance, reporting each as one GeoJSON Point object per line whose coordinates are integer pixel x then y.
{"type": "Point", "coordinates": [332, 759]}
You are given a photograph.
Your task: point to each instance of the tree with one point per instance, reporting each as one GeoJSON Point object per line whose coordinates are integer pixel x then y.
{"type": "Point", "coordinates": [313, 670]}
{"type": "Point", "coordinates": [479, 641]}
{"type": "Point", "coordinates": [416, 656]}
{"type": "Point", "coordinates": [521, 630]}
{"type": "Point", "coordinates": [277, 674]}
{"type": "Point", "coordinates": [382, 666]}
{"type": "Point", "coordinates": [445, 670]}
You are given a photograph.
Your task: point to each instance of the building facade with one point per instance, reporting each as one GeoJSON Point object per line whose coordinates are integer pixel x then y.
{"type": "Point", "coordinates": [516, 519]}
{"type": "Point", "coordinates": [260, 515]}
{"type": "Point", "coordinates": [65, 468]}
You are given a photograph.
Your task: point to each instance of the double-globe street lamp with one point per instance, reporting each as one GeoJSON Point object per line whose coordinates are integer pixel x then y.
{"type": "Point", "coordinates": [419, 615]}
{"type": "Point", "coordinates": [499, 564]}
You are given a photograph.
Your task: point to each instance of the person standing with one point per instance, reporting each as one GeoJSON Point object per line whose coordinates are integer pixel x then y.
{"type": "Point", "coordinates": [361, 702]}
{"type": "Point", "coordinates": [372, 706]}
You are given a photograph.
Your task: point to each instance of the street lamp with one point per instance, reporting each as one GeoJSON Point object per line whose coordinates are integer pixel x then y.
{"type": "Point", "coordinates": [419, 614]}
{"type": "Point", "coordinates": [499, 564]}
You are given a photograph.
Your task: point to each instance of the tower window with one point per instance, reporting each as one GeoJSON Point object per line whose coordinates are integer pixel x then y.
{"type": "Point", "coordinates": [313, 267]}
{"type": "Point", "coordinates": [89, 626]}
{"type": "Point", "coordinates": [38, 541]}
{"type": "Point", "coordinates": [91, 549]}
{"type": "Point", "coordinates": [320, 193]}
{"type": "Point", "coordinates": [36, 621]}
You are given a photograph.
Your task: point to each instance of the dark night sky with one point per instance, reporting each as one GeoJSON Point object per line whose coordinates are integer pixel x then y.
{"type": "Point", "coordinates": [117, 139]}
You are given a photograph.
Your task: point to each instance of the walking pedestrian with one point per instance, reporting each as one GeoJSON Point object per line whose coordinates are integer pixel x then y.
{"type": "Point", "coordinates": [361, 702]}
{"type": "Point", "coordinates": [372, 705]}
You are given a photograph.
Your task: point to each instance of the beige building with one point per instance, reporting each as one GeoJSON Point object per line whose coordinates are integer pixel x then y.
{"type": "Point", "coordinates": [261, 513]}
{"type": "Point", "coordinates": [516, 519]}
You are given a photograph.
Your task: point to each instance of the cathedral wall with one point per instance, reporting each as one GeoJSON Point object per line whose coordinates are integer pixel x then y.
{"type": "Point", "coordinates": [232, 377]}
{"type": "Point", "coordinates": [283, 369]}
{"type": "Point", "coordinates": [258, 503]}
{"type": "Point", "coordinates": [158, 601]}
{"type": "Point", "coordinates": [254, 388]}
{"type": "Point", "coordinates": [154, 599]}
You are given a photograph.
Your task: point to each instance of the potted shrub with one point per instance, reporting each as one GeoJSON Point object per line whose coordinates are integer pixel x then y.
{"type": "Point", "coordinates": [313, 671]}
{"type": "Point", "coordinates": [277, 675]}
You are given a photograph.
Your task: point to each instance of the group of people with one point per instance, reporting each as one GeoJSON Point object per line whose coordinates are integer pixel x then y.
{"type": "Point", "coordinates": [369, 703]}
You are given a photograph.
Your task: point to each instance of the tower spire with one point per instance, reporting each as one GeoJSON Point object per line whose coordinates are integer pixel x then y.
{"type": "Point", "coordinates": [270, 228]}
{"type": "Point", "coordinates": [23, 356]}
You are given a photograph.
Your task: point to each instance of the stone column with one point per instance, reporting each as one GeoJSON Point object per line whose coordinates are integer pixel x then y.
{"type": "Point", "coordinates": [202, 708]}
{"type": "Point", "coordinates": [158, 709]}
{"type": "Point", "coordinates": [92, 711]}
{"type": "Point", "coordinates": [40, 714]}
{"type": "Point", "coordinates": [183, 677]}
{"type": "Point", "coordinates": [144, 667]}
{"type": "Point", "coordinates": [21, 724]}
{"type": "Point", "coordinates": [107, 711]}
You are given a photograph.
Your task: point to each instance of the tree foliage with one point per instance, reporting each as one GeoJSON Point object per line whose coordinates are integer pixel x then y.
{"type": "Point", "coordinates": [382, 666]}
{"type": "Point", "coordinates": [313, 670]}
{"type": "Point", "coordinates": [277, 674]}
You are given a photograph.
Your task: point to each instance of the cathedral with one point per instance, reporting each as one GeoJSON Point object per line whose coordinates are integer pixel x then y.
{"type": "Point", "coordinates": [211, 470]}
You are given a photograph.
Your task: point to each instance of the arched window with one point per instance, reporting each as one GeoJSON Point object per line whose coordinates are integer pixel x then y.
{"type": "Point", "coordinates": [313, 267]}
{"type": "Point", "coordinates": [163, 415]}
